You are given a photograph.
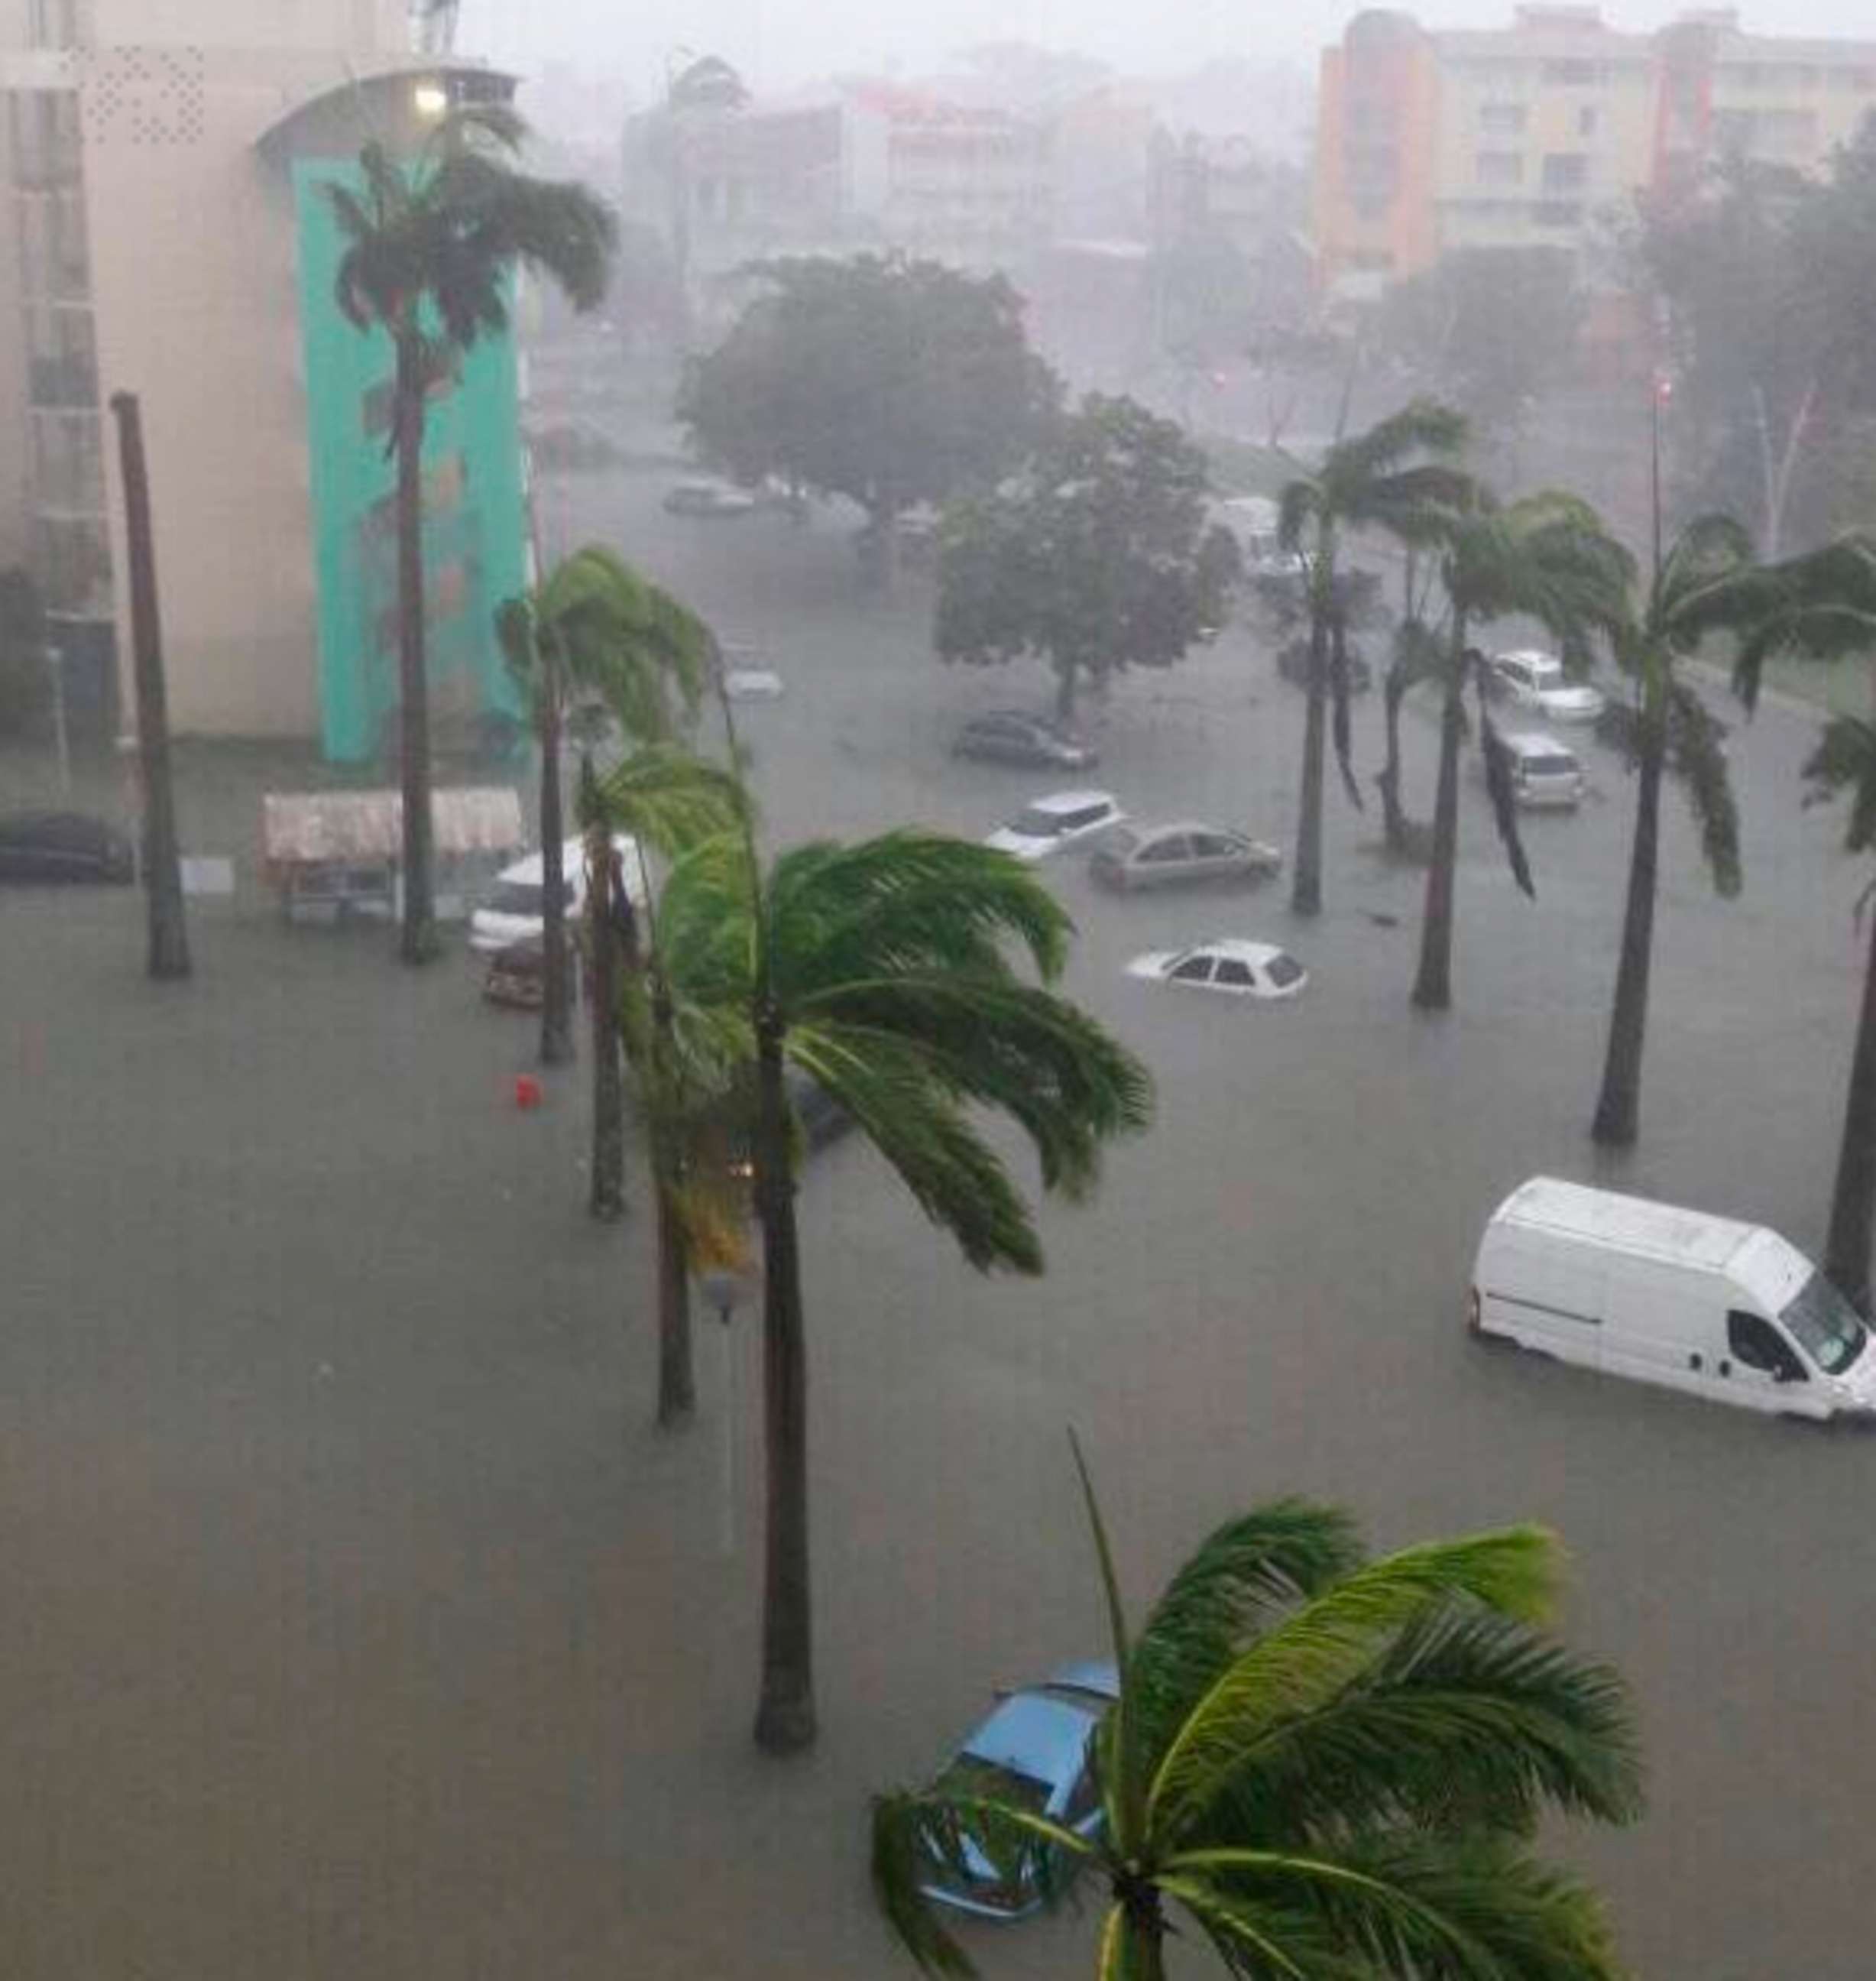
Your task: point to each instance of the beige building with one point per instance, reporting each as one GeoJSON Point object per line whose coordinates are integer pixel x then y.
{"type": "Point", "coordinates": [150, 236]}
{"type": "Point", "coordinates": [1523, 136]}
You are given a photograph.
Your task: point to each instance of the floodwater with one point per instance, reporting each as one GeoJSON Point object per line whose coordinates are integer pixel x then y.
{"type": "Point", "coordinates": [359, 1621]}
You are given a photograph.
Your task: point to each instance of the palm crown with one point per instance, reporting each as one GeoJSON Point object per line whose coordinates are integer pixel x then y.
{"type": "Point", "coordinates": [1330, 1766]}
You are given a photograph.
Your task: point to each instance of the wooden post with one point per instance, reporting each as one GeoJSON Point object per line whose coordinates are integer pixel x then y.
{"type": "Point", "coordinates": [168, 955]}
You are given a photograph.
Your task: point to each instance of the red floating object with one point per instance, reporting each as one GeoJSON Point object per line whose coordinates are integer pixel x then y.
{"type": "Point", "coordinates": [527, 1091]}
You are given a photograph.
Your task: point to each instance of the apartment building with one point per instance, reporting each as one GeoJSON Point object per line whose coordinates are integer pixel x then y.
{"type": "Point", "coordinates": [1525, 136]}
{"type": "Point", "coordinates": [164, 230]}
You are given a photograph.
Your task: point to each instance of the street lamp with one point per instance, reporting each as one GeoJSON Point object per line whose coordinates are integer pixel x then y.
{"type": "Point", "coordinates": [55, 674]}
{"type": "Point", "coordinates": [724, 1292]}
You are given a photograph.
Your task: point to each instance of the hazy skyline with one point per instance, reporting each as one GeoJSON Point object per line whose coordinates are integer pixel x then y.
{"type": "Point", "coordinates": [778, 43]}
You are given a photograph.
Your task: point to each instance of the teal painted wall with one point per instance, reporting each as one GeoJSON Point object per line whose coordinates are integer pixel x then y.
{"type": "Point", "coordinates": [475, 526]}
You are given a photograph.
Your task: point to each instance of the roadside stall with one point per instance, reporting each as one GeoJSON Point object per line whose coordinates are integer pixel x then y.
{"type": "Point", "coordinates": [332, 855]}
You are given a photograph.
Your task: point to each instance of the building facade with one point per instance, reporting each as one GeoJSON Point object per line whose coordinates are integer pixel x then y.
{"type": "Point", "coordinates": [1525, 136]}
{"type": "Point", "coordinates": [165, 232]}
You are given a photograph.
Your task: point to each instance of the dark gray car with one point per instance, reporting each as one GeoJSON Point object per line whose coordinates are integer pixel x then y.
{"type": "Point", "coordinates": [1183, 854]}
{"type": "Point", "coordinates": [1009, 736]}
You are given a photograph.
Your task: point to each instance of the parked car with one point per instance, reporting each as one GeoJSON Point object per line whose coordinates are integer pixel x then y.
{"type": "Point", "coordinates": [1529, 679]}
{"type": "Point", "coordinates": [61, 846]}
{"type": "Point", "coordinates": [1034, 1750]}
{"type": "Point", "coordinates": [819, 1116]}
{"type": "Point", "coordinates": [1009, 736]}
{"type": "Point", "coordinates": [708, 499]}
{"type": "Point", "coordinates": [516, 976]}
{"type": "Point", "coordinates": [1066, 819]}
{"type": "Point", "coordinates": [1720, 1310]}
{"type": "Point", "coordinates": [513, 910]}
{"type": "Point", "coordinates": [744, 672]}
{"type": "Point", "coordinates": [1181, 855]}
{"type": "Point", "coordinates": [1293, 665]}
{"type": "Point", "coordinates": [1544, 774]}
{"type": "Point", "coordinates": [1226, 964]}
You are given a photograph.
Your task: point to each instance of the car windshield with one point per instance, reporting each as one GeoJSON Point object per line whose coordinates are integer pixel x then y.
{"type": "Point", "coordinates": [1038, 824]}
{"type": "Point", "coordinates": [1825, 1325]}
{"type": "Point", "coordinates": [520, 897]}
{"type": "Point", "coordinates": [972, 1777]}
{"type": "Point", "coordinates": [1283, 971]}
{"type": "Point", "coordinates": [1122, 844]}
{"type": "Point", "coordinates": [1559, 766]}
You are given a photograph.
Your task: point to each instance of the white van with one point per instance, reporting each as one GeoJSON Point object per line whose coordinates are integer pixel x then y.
{"type": "Point", "coordinates": [1544, 772]}
{"type": "Point", "coordinates": [515, 907]}
{"type": "Point", "coordinates": [1699, 1304]}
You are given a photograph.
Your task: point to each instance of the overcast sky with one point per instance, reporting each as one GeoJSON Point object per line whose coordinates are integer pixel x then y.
{"type": "Point", "coordinates": [779, 42]}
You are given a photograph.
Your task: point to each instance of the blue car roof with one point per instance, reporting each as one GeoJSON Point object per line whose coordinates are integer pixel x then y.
{"type": "Point", "coordinates": [1038, 1735]}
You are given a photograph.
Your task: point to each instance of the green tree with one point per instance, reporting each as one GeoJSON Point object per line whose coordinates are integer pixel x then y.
{"type": "Point", "coordinates": [593, 633]}
{"type": "Point", "coordinates": [1546, 557]}
{"type": "Point", "coordinates": [881, 970]}
{"type": "Point", "coordinates": [433, 244]}
{"type": "Point", "coordinates": [1321, 1765]}
{"type": "Point", "coordinates": [890, 381]}
{"type": "Point", "coordinates": [1706, 583]}
{"type": "Point", "coordinates": [1098, 557]}
{"type": "Point", "coordinates": [1379, 479]}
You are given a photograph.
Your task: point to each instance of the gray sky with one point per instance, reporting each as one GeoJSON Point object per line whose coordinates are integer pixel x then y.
{"type": "Point", "coordinates": [779, 42]}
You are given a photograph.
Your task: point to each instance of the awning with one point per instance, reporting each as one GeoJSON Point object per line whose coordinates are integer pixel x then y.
{"type": "Point", "coordinates": [310, 828]}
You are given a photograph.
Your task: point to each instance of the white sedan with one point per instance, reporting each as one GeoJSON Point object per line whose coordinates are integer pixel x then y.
{"type": "Point", "coordinates": [1066, 818]}
{"type": "Point", "coordinates": [1227, 964]}
{"type": "Point", "coordinates": [1537, 681]}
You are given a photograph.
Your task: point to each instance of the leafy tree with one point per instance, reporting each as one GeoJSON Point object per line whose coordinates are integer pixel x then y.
{"type": "Point", "coordinates": [890, 381]}
{"type": "Point", "coordinates": [1321, 1766]}
{"type": "Point", "coordinates": [23, 681]}
{"type": "Point", "coordinates": [1487, 328]}
{"type": "Point", "coordinates": [432, 245]}
{"type": "Point", "coordinates": [1098, 557]}
{"type": "Point", "coordinates": [592, 632]}
{"type": "Point", "coordinates": [1547, 557]}
{"type": "Point", "coordinates": [880, 969]}
{"type": "Point", "coordinates": [1379, 479]}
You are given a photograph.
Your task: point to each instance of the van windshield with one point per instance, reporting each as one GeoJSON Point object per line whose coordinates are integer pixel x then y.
{"type": "Point", "coordinates": [1825, 1325]}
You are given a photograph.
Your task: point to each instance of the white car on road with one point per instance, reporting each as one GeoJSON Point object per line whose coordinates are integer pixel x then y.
{"type": "Point", "coordinates": [1228, 964]}
{"type": "Point", "coordinates": [513, 911]}
{"type": "Point", "coordinates": [1067, 818]}
{"type": "Point", "coordinates": [1532, 680]}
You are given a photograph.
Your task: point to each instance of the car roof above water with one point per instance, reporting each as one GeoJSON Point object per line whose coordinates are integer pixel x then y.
{"type": "Point", "coordinates": [1626, 1223]}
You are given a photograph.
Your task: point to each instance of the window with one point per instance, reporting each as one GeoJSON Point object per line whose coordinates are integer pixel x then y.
{"type": "Point", "coordinates": [68, 474]}
{"type": "Point", "coordinates": [1079, 821]}
{"type": "Point", "coordinates": [1565, 172]}
{"type": "Point", "coordinates": [46, 141]}
{"type": "Point", "coordinates": [1755, 1344]}
{"type": "Point", "coordinates": [57, 23]}
{"type": "Point", "coordinates": [1573, 74]}
{"type": "Point", "coordinates": [72, 563]}
{"type": "Point", "coordinates": [61, 357]}
{"type": "Point", "coordinates": [1215, 845]}
{"type": "Point", "coordinates": [1587, 117]}
{"type": "Point", "coordinates": [1194, 969]}
{"type": "Point", "coordinates": [1283, 970]}
{"type": "Point", "coordinates": [1826, 1325]}
{"type": "Point", "coordinates": [1234, 975]}
{"type": "Point", "coordinates": [1502, 120]}
{"type": "Point", "coordinates": [1499, 168]}
{"type": "Point", "coordinates": [55, 255]}
{"type": "Point", "coordinates": [1163, 851]}
{"type": "Point", "coordinates": [1556, 213]}
{"type": "Point", "coordinates": [1037, 823]}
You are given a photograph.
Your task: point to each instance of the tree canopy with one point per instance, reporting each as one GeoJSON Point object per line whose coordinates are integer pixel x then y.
{"type": "Point", "coordinates": [888, 381]}
{"type": "Point", "coordinates": [1099, 556]}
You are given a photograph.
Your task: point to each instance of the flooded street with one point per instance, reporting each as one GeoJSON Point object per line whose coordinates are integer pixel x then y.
{"type": "Point", "coordinates": [359, 1622]}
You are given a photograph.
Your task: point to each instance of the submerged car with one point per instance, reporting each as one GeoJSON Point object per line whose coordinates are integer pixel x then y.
{"type": "Point", "coordinates": [1183, 854]}
{"type": "Point", "coordinates": [1530, 679]}
{"type": "Point", "coordinates": [1009, 736]}
{"type": "Point", "coordinates": [1064, 819]}
{"type": "Point", "coordinates": [516, 976]}
{"type": "Point", "coordinates": [1034, 1750]}
{"type": "Point", "coordinates": [1544, 774]}
{"type": "Point", "coordinates": [1227, 964]}
{"type": "Point", "coordinates": [710, 499]}
{"type": "Point", "coordinates": [515, 908]}
{"type": "Point", "coordinates": [64, 846]}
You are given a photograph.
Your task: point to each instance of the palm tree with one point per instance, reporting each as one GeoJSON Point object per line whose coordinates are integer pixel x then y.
{"type": "Point", "coordinates": [668, 801]}
{"type": "Point", "coordinates": [1548, 557]}
{"type": "Point", "coordinates": [1417, 656]}
{"type": "Point", "coordinates": [1824, 605]}
{"type": "Point", "coordinates": [1330, 1767]}
{"type": "Point", "coordinates": [432, 247]}
{"type": "Point", "coordinates": [881, 971]}
{"type": "Point", "coordinates": [593, 633]}
{"type": "Point", "coordinates": [1706, 582]}
{"type": "Point", "coordinates": [1372, 481]}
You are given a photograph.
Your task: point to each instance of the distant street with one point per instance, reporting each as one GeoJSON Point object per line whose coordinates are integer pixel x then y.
{"type": "Point", "coordinates": [359, 1624]}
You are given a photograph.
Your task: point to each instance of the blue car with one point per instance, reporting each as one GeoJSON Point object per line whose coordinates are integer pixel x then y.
{"type": "Point", "coordinates": [1035, 1752]}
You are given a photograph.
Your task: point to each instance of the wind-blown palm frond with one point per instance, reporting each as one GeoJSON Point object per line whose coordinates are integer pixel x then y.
{"type": "Point", "coordinates": [1822, 605]}
{"type": "Point", "coordinates": [1422, 426]}
{"type": "Point", "coordinates": [1845, 760]}
{"type": "Point", "coordinates": [1698, 749]}
{"type": "Point", "coordinates": [667, 799]}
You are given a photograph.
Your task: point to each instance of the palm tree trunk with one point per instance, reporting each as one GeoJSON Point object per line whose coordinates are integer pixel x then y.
{"type": "Point", "coordinates": [785, 1718]}
{"type": "Point", "coordinates": [605, 1199]}
{"type": "Point", "coordinates": [1388, 778]}
{"type": "Point", "coordinates": [677, 1375]}
{"type": "Point", "coordinates": [1618, 1105]}
{"type": "Point", "coordinates": [167, 955]}
{"type": "Point", "coordinates": [557, 1038]}
{"type": "Point", "coordinates": [1432, 990]}
{"type": "Point", "coordinates": [1852, 1203]}
{"type": "Point", "coordinates": [1306, 882]}
{"type": "Point", "coordinates": [1067, 679]}
{"type": "Point", "coordinates": [419, 942]}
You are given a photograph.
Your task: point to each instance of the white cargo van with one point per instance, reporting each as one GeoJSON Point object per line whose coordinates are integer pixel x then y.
{"type": "Point", "coordinates": [1660, 1295]}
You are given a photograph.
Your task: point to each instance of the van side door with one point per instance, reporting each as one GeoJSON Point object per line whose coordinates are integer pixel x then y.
{"type": "Point", "coordinates": [1761, 1368]}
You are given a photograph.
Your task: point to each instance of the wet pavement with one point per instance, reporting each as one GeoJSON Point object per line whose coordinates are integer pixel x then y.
{"type": "Point", "coordinates": [358, 1621]}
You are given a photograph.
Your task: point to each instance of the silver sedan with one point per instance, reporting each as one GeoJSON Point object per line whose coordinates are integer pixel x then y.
{"type": "Point", "coordinates": [1182, 854]}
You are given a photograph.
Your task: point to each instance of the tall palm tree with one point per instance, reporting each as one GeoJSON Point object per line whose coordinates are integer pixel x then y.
{"type": "Point", "coordinates": [433, 244]}
{"type": "Point", "coordinates": [1377, 480]}
{"type": "Point", "coordinates": [1705, 583]}
{"type": "Point", "coordinates": [1546, 557]}
{"type": "Point", "coordinates": [881, 970]}
{"type": "Point", "coordinates": [1825, 606]}
{"type": "Point", "coordinates": [1324, 1766]}
{"type": "Point", "coordinates": [668, 801]}
{"type": "Point", "coordinates": [593, 633]}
